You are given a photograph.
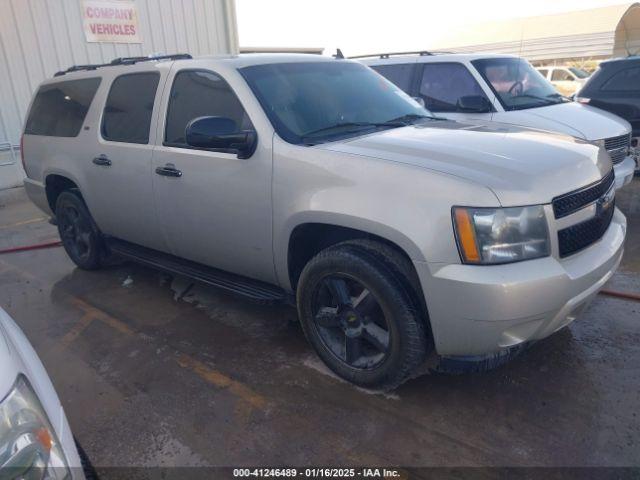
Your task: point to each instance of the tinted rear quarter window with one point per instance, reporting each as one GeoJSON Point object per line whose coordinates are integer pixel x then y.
{"type": "Point", "coordinates": [127, 113]}
{"type": "Point", "coordinates": [443, 84]}
{"type": "Point", "coordinates": [627, 80]}
{"type": "Point", "coordinates": [199, 93]}
{"type": "Point", "coordinates": [59, 109]}
{"type": "Point", "coordinates": [400, 74]}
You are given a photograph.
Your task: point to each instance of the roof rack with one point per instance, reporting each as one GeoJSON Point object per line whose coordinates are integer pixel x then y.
{"type": "Point", "coordinates": [422, 53]}
{"type": "Point", "coordinates": [124, 61]}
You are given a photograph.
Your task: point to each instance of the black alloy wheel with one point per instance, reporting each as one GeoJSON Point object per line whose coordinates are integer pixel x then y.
{"type": "Point", "coordinates": [358, 309]}
{"type": "Point", "coordinates": [351, 322]}
{"type": "Point", "coordinates": [79, 234]}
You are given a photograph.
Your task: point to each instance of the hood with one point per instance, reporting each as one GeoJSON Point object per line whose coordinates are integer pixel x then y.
{"type": "Point", "coordinates": [521, 166]}
{"type": "Point", "coordinates": [572, 118]}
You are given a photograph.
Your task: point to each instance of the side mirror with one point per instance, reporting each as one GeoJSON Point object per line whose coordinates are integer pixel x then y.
{"type": "Point", "coordinates": [474, 104]}
{"type": "Point", "coordinates": [220, 133]}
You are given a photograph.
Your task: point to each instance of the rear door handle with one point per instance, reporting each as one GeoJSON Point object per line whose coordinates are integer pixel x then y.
{"type": "Point", "coordinates": [168, 171]}
{"type": "Point", "coordinates": [103, 161]}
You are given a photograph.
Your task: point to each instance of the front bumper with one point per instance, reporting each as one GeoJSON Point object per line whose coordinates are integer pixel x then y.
{"type": "Point", "coordinates": [624, 171]}
{"type": "Point", "coordinates": [482, 310]}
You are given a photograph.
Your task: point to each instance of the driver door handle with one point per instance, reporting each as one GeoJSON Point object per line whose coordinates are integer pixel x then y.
{"type": "Point", "coordinates": [168, 171]}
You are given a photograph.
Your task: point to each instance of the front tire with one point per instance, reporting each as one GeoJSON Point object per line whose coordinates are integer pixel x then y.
{"type": "Point", "coordinates": [360, 318]}
{"type": "Point", "coordinates": [79, 234]}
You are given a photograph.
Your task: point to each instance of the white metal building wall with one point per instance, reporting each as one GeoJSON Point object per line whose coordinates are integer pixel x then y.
{"type": "Point", "coordinates": [41, 37]}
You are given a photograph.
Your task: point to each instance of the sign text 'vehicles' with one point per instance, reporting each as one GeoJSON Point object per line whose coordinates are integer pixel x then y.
{"type": "Point", "coordinates": [111, 21]}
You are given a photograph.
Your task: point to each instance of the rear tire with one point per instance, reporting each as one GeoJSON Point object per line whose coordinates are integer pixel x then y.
{"type": "Point", "coordinates": [360, 317]}
{"type": "Point", "coordinates": [79, 234]}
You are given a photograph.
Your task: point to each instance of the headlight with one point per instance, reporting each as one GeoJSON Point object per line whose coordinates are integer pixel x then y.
{"type": "Point", "coordinates": [500, 235]}
{"type": "Point", "coordinates": [29, 447]}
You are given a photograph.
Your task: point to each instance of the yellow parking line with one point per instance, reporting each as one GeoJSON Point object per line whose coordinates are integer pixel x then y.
{"type": "Point", "coordinates": [102, 316]}
{"type": "Point", "coordinates": [251, 399]}
{"type": "Point", "coordinates": [220, 380]}
{"type": "Point", "coordinates": [210, 375]}
{"type": "Point", "coordinates": [75, 331]}
{"type": "Point", "coordinates": [24, 222]}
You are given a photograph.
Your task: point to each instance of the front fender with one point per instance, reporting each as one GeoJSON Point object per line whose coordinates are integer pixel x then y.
{"type": "Point", "coordinates": [281, 253]}
{"type": "Point", "coordinates": [407, 205]}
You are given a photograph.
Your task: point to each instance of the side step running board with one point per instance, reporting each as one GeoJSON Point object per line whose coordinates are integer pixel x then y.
{"type": "Point", "coordinates": [253, 289]}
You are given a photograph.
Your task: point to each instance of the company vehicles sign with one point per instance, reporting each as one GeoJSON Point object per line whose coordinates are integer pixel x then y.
{"type": "Point", "coordinates": [111, 21]}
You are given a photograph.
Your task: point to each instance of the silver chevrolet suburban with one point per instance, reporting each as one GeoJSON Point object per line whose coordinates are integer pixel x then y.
{"type": "Point", "coordinates": [401, 237]}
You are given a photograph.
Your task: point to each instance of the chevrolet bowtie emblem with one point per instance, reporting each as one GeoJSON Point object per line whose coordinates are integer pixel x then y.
{"type": "Point", "coordinates": [606, 200]}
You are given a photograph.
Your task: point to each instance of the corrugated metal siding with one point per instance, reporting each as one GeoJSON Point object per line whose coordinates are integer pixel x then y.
{"type": "Point", "coordinates": [570, 24]}
{"type": "Point", "coordinates": [595, 45]}
{"type": "Point", "coordinates": [41, 37]}
{"type": "Point", "coordinates": [588, 34]}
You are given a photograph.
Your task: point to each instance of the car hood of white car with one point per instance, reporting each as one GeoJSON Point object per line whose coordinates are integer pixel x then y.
{"type": "Point", "coordinates": [521, 166]}
{"type": "Point", "coordinates": [8, 365]}
{"type": "Point", "coordinates": [572, 118]}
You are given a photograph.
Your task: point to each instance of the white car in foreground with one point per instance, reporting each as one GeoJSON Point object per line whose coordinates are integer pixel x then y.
{"type": "Point", "coordinates": [505, 89]}
{"type": "Point", "coordinates": [35, 439]}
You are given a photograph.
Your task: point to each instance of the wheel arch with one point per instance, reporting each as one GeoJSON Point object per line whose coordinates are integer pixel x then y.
{"type": "Point", "coordinates": [306, 238]}
{"type": "Point", "coordinates": [55, 183]}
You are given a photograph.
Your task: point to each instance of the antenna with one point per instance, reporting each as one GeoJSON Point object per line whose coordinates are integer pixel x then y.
{"type": "Point", "coordinates": [521, 37]}
{"type": "Point", "coordinates": [338, 55]}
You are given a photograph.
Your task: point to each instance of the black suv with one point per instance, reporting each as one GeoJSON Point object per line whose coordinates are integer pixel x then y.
{"type": "Point", "coordinates": [615, 87]}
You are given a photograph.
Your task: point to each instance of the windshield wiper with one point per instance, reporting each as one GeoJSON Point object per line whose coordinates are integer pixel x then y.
{"type": "Point", "coordinates": [548, 101]}
{"type": "Point", "coordinates": [409, 118]}
{"type": "Point", "coordinates": [352, 125]}
{"type": "Point", "coordinates": [560, 96]}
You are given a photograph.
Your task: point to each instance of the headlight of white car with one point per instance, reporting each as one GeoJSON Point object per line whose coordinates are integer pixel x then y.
{"type": "Point", "coordinates": [501, 235]}
{"type": "Point", "coordinates": [29, 447]}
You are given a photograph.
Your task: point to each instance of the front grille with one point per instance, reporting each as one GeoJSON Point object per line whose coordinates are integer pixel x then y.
{"type": "Point", "coordinates": [580, 236]}
{"type": "Point", "coordinates": [618, 147]}
{"type": "Point", "coordinates": [617, 142]}
{"type": "Point", "coordinates": [573, 201]}
{"type": "Point", "coordinates": [618, 155]}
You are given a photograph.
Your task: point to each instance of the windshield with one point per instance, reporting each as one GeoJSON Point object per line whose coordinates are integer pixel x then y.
{"type": "Point", "coordinates": [517, 84]}
{"type": "Point", "coordinates": [578, 72]}
{"type": "Point", "coordinates": [312, 102]}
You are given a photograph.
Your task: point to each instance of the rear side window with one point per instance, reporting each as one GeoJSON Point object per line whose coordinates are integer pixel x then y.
{"type": "Point", "coordinates": [624, 81]}
{"type": "Point", "coordinates": [561, 76]}
{"type": "Point", "coordinates": [127, 113]}
{"type": "Point", "coordinates": [200, 93]}
{"type": "Point", "coordinates": [59, 109]}
{"type": "Point", "coordinates": [543, 72]}
{"type": "Point", "coordinates": [399, 74]}
{"type": "Point", "coordinates": [443, 84]}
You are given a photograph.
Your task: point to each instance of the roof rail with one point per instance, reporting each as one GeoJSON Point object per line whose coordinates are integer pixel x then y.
{"type": "Point", "coordinates": [422, 53]}
{"type": "Point", "coordinates": [124, 61]}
